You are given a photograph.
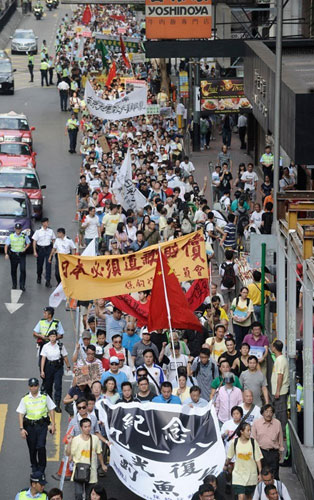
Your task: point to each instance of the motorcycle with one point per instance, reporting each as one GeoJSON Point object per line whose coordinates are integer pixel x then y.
{"type": "Point", "coordinates": [38, 13]}
{"type": "Point", "coordinates": [49, 4]}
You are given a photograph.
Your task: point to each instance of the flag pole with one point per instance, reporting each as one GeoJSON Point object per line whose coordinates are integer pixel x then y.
{"type": "Point", "coordinates": [168, 311]}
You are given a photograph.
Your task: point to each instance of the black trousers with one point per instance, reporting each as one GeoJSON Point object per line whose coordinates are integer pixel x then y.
{"type": "Point", "coordinates": [31, 71]}
{"type": "Point", "coordinates": [18, 259]}
{"type": "Point", "coordinates": [51, 76]}
{"type": "Point", "coordinates": [44, 77]}
{"type": "Point", "coordinates": [72, 137]}
{"type": "Point", "coordinates": [64, 100]}
{"type": "Point", "coordinates": [271, 458]}
{"type": "Point", "coordinates": [242, 132]}
{"type": "Point", "coordinates": [53, 378]}
{"type": "Point", "coordinates": [36, 442]}
{"type": "Point", "coordinates": [57, 274]}
{"type": "Point", "coordinates": [43, 256]}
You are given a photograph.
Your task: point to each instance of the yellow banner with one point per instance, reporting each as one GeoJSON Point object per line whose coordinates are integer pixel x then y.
{"type": "Point", "coordinates": [87, 278]}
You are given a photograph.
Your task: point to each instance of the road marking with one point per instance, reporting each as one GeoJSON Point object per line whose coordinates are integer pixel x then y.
{"type": "Point", "coordinates": [3, 414]}
{"type": "Point", "coordinates": [54, 452]}
{"type": "Point", "coordinates": [13, 306]}
{"type": "Point", "coordinates": [13, 379]}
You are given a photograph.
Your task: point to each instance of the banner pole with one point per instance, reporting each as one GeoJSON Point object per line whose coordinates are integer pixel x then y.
{"type": "Point", "coordinates": [168, 311]}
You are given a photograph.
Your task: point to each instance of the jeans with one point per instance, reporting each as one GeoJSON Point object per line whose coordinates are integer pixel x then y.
{"type": "Point", "coordinates": [203, 141]}
{"type": "Point", "coordinates": [36, 442]}
{"type": "Point", "coordinates": [43, 255]}
{"type": "Point", "coordinates": [18, 259]}
{"type": "Point", "coordinates": [53, 377]}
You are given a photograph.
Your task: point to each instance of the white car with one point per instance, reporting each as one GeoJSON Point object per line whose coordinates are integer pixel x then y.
{"type": "Point", "coordinates": [24, 41]}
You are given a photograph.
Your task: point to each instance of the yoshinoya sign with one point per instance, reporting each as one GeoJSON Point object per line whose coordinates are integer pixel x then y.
{"type": "Point", "coordinates": [173, 19]}
{"type": "Point", "coordinates": [160, 450]}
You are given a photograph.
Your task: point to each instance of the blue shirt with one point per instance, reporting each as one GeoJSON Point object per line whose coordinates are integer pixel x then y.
{"type": "Point", "coordinates": [173, 400]}
{"type": "Point", "coordinates": [29, 495]}
{"type": "Point", "coordinates": [114, 327]}
{"type": "Point", "coordinates": [128, 341]}
{"type": "Point", "coordinates": [200, 404]}
{"type": "Point", "coordinates": [119, 378]}
{"type": "Point", "coordinates": [21, 235]}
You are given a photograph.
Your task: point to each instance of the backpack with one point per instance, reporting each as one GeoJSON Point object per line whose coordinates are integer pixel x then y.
{"type": "Point", "coordinates": [247, 301]}
{"type": "Point", "coordinates": [243, 221]}
{"type": "Point", "coordinates": [229, 278]}
{"type": "Point", "coordinates": [278, 486]}
{"type": "Point", "coordinates": [198, 369]}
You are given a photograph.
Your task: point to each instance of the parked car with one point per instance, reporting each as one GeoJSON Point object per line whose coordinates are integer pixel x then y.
{"type": "Point", "coordinates": [18, 154]}
{"type": "Point", "coordinates": [15, 206]}
{"type": "Point", "coordinates": [15, 128]}
{"type": "Point", "coordinates": [24, 41]}
{"type": "Point", "coordinates": [27, 180]}
{"type": "Point", "coordinates": [6, 73]}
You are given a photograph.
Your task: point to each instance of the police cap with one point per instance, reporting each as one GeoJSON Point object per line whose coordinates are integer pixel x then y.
{"type": "Point", "coordinates": [38, 477]}
{"type": "Point", "coordinates": [49, 310]}
{"type": "Point", "coordinates": [33, 382]}
{"type": "Point", "coordinates": [18, 226]}
{"type": "Point", "coordinates": [52, 332]}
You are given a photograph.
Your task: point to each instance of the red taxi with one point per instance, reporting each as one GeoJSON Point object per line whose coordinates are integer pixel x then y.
{"type": "Point", "coordinates": [18, 154]}
{"type": "Point", "coordinates": [15, 128]}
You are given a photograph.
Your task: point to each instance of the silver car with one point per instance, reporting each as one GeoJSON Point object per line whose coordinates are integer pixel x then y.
{"type": "Point", "coordinates": [24, 41]}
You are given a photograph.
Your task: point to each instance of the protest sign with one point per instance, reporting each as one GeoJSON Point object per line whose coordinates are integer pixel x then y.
{"type": "Point", "coordinates": [87, 374]}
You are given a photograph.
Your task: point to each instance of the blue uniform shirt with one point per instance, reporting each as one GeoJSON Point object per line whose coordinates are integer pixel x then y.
{"type": "Point", "coordinates": [173, 400]}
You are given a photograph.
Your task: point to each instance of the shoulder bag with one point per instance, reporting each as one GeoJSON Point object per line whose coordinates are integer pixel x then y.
{"type": "Point", "coordinates": [82, 470]}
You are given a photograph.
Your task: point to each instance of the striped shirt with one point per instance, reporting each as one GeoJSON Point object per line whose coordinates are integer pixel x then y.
{"type": "Point", "coordinates": [231, 231]}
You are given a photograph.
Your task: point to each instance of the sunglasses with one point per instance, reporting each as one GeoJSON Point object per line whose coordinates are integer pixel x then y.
{"type": "Point", "coordinates": [114, 364]}
{"type": "Point", "coordinates": [81, 407]}
{"type": "Point", "coordinates": [33, 385]}
{"type": "Point", "coordinates": [129, 330]}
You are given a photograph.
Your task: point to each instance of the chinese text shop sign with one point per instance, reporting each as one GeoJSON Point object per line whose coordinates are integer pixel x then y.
{"type": "Point", "coordinates": [87, 278]}
{"type": "Point", "coordinates": [173, 19]}
{"type": "Point", "coordinates": [162, 451]}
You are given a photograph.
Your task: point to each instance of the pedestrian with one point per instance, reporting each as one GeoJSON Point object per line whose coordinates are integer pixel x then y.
{"type": "Point", "coordinates": [36, 412]}
{"type": "Point", "coordinates": [206, 492]}
{"type": "Point", "coordinates": [204, 370]}
{"type": "Point", "coordinates": [247, 465]}
{"type": "Point", "coordinates": [84, 449]}
{"type": "Point", "coordinates": [228, 271]}
{"type": "Point", "coordinates": [255, 293]}
{"type": "Point", "coordinates": [268, 433]}
{"type": "Point", "coordinates": [229, 239]}
{"type": "Point", "coordinates": [51, 67]}
{"type": "Point", "coordinates": [166, 395]}
{"type": "Point", "coordinates": [43, 241]}
{"type": "Point", "coordinates": [194, 400]}
{"type": "Point", "coordinates": [55, 494]}
{"type": "Point", "coordinates": [227, 131]}
{"type": "Point", "coordinates": [254, 380]}
{"type": "Point", "coordinates": [267, 162]}
{"type": "Point", "coordinates": [241, 313]}
{"type": "Point", "coordinates": [251, 411]}
{"type": "Point", "coordinates": [53, 355]}
{"type": "Point", "coordinates": [219, 381]}
{"type": "Point", "coordinates": [15, 249]}
{"type": "Point", "coordinates": [44, 326]}
{"type": "Point", "coordinates": [36, 489]}
{"type": "Point", "coordinates": [268, 479]}
{"type": "Point", "coordinates": [63, 88]}
{"type": "Point", "coordinates": [63, 245]}
{"type": "Point", "coordinates": [44, 72]}
{"type": "Point", "coordinates": [91, 225]}
{"type": "Point", "coordinates": [280, 384]}
{"type": "Point", "coordinates": [72, 126]}
{"type": "Point", "coordinates": [30, 65]}
{"type": "Point", "coordinates": [114, 372]}
{"type": "Point", "coordinates": [228, 396]}
{"type": "Point", "coordinates": [259, 344]}
{"type": "Point", "coordinates": [242, 124]}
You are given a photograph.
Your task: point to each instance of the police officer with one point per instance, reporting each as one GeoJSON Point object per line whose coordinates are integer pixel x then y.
{"type": "Point", "coordinates": [15, 248]}
{"type": "Point", "coordinates": [44, 72]}
{"type": "Point", "coordinates": [64, 245]}
{"type": "Point", "coordinates": [36, 489]}
{"type": "Point", "coordinates": [72, 127]}
{"type": "Point", "coordinates": [36, 412]}
{"type": "Point", "coordinates": [53, 354]}
{"type": "Point", "coordinates": [44, 326]}
{"type": "Point", "coordinates": [31, 66]}
{"type": "Point", "coordinates": [43, 240]}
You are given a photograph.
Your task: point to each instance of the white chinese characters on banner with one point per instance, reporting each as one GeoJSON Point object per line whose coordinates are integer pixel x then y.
{"type": "Point", "coordinates": [132, 104]}
{"type": "Point", "coordinates": [162, 451]}
{"type": "Point", "coordinates": [124, 190]}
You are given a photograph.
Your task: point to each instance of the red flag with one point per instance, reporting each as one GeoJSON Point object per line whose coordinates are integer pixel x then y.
{"type": "Point", "coordinates": [197, 293]}
{"type": "Point", "coordinates": [112, 74]}
{"type": "Point", "coordinates": [87, 15]}
{"type": "Point", "coordinates": [181, 315]}
{"type": "Point", "coordinates": [128, 305]}
{"type": "Point", "coordinates": [124, 56]}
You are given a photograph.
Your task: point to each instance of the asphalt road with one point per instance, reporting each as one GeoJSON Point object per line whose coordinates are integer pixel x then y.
{"type": "Point", "coordinates": [59, 171]}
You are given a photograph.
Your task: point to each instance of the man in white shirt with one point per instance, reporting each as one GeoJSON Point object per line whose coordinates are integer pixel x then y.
{"type": "Point", "coordinates": [175, 360]}
{"type": "Point", "coordinates": [256, 216]}
{"type": "Point", "coordinates": [63, 244]}
{"type": "Point", "coordinates": [187, 166]}
{"type": "Point", "coordinates": [268, 478]}
{"type": "Point", "coordinates": [248, 407]}
{"type": "Point", "coordinates": [43, 240]}
{"type": "Point", "coordinates": [250, 179]}
{"type": "Point", "coordinates": [63, 88]}
{"type": "Point", "coordinates": [92, 227]}
{"type": "Point", "coordinates": [155, 373]}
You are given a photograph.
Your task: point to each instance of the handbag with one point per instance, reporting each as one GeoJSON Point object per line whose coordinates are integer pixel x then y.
{"type": "Point", "coordinates": [82, 470]}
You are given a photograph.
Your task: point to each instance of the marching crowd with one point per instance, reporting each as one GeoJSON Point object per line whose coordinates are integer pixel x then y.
{"type": "Point", "coordinates": [227, 362]}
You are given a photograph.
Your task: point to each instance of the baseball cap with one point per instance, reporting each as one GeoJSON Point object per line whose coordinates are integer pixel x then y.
{"type": "Point", "coordinates": [38, 477]}
{"type": "Point", "coordinates": [120, 355]}
{"type": "Point", "coordinates": [33, 381]}
{"type": "Point", "coordinates": [114, 359]}
{"type": "Point", "coordinates": [86, 335]}
{"type": "Point", "coordinates": [18, 226]}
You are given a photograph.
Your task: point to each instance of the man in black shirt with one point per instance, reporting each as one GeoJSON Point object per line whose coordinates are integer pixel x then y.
{"type": "Point", "coordinates": [267, 218]}
{"type": "Point", "coordinates": [82, 189]}
{"type": "Point", "coordinates": [144, 392]}
{"type": "Point", "coordinates": [231, 353]}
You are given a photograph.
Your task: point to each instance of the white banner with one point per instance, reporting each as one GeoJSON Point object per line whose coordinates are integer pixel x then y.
{"type": "Point", "coordinates": [160, 450]}
{"type": "Point", "coordinates": [133, 104]}
{"type": "Point", "coordinates": [124, 190]}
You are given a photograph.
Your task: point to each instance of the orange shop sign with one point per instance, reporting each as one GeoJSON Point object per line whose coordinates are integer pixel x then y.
{"type": "Point", "coordinates": [173, 19]}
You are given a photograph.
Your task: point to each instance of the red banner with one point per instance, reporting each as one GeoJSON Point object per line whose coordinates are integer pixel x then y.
{"type": "Point", "coordinates": [128, 305]}
{"type": "Point", "coordinates": [197, 293]}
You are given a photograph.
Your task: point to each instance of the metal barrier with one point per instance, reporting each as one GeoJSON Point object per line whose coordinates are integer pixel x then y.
{"type": "Point", "coordinates": [303, 463]}
{"type": "Point", "coordinates": [7, 12]}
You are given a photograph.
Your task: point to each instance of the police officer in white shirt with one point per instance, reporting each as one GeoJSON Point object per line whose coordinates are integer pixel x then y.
{"type": "Point", "coordinates": [63, 244]}
{"type": "Point", "coordinates": [43, 240]}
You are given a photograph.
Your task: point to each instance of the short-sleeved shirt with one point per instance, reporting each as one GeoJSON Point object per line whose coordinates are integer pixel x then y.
{"type": "Point", "coordinates": [204, 377]}
{"type": "Point", "coordinates": [22, 408]}
{"type": "Point", "coordinates": [241, 307]}
{"type": "Point", "coordinates": [249, 178]}
{"type": "Point", "coordinates": [138, 350]}
{"type": "Point", "coordinates": [64, 245]}
{"type": "Point", "coordinates": [52, 352]}
{"type": "Point", "coordinates": [254, 381]}
{"type": "Point", "coordinates": [119, 377]}
{"type": "Point", "coordinates": [231, 231]}
{"type": "Point", "coordinates": [80, 452]}
{"type": "Point", "coordinates": [245, 470]}
{"type": "Point", "coordinates": [280, 367]}
{"type": "Point", "coordinates": [74, 424]}
{"type": "Point", "coordinates": [44, 237]}
{"type": "Point", "coordinates": [114, 327]}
